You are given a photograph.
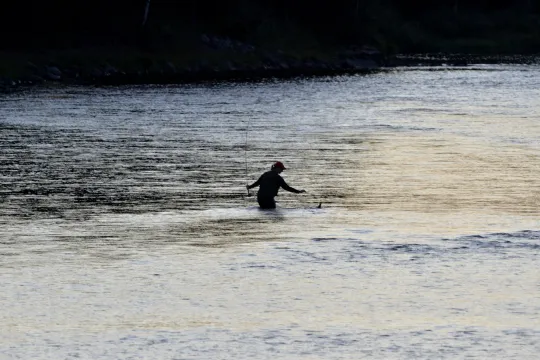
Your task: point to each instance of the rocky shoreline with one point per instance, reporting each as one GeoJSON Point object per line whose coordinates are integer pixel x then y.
{"type": "Point", "coordinates": [261, 65]}
{"type": "Point", "coordinates": [169, 72]}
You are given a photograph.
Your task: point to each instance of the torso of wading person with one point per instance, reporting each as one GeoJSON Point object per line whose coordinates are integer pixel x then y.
{"type": "Point", "coordinates": [269, 184]}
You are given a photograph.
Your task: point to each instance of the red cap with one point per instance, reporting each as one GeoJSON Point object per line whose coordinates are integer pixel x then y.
{"type": "Point", "coordinates": [279, 164]}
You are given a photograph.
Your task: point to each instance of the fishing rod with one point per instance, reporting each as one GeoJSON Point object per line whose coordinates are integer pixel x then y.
{"type": "Point", "coordinates": [246, 159]}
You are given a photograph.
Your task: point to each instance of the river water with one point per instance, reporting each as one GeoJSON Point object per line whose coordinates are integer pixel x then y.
{"type": "Point", "coordinates": [126, 232]}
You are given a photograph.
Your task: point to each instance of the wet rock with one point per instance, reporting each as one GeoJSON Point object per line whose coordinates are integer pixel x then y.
{"type": "Point", "coordinates": [203, 66]}
{"type": "Point", "coordinates": [205, 39]}
{"type": "Point", "coordinates": [109, 70]}
{"type": "Point", "coordinates": [225, 43]}
{"type": "Point", "coordinates": [362, 64]}
{"type": "Point", "coordinates": [33, 68]}
{"type": "Point", "coordinates": [361, 52]}
{"type": "Point", "coordinates": [270, 57]}
{"type": "Point", "coordinates": [8, 84]}
{"type": "Point", "coordinates": [369, 51]}
{"type": "Point", "coordinates": [170, 68]}
{"type": "Point", "coordinates": [244, 48]}
{"type": "Point", "coordinates": [231, 66]}
{"type": "Point", "coordinates": [71, 72]}
{"type": "Point", "coordinates": [283, 65]}
{"type": "Point", "coordinates": [53, 73]}
{"type": "Point", "coordinates": [96, 73]}
{"type": "Point", "coordinates": [294, 64]}
{"type": "Point", "coordinates": [33, 79]}
{"type": "Point", "coordinates": [156, 71]}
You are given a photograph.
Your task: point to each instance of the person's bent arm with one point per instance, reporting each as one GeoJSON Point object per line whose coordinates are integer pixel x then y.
{"type": "Point", "coordinates": [256, 183]}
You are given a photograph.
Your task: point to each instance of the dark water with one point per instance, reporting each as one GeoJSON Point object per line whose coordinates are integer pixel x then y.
{"type": "Point", "coordinates": [126, 232]}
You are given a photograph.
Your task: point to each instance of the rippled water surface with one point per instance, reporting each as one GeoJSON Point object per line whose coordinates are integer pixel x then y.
{"type": "Point", "coordinates": [126, 232]}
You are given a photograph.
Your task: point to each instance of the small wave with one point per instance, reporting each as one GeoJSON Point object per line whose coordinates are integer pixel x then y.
{"type": "Point", "coordinates": [529, 239]}
{"type": "Point", "coordinates": [525, 234]}
{"type": "Point", "coordinates": [413, 248]}
{"type": "Point", "coordinates": [403, 128]}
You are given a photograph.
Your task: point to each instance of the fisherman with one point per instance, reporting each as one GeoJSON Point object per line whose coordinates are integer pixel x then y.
{"type": "Point", "coordinates": [269, 184]}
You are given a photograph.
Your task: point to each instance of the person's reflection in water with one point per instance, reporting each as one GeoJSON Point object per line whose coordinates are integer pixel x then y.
{"type": "Point", "coordinates": [269, 184]}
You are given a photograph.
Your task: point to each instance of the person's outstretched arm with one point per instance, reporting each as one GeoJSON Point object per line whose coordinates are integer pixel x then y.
{"type": "Point", "coordinates": [289, 188]}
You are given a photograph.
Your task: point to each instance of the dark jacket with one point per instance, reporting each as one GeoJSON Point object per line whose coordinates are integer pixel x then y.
{"type": "Point", "coordinates": [269, 184]}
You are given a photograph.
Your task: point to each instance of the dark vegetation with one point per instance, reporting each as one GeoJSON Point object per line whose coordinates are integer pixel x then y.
{"type": "Point", "coordinates": [185, 36]}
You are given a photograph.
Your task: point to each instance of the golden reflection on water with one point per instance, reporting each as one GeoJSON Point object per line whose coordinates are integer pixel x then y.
{"type": "Point", "coordinates": [434, 174]}
{"type": "Point", "coordinates": [444, 183]}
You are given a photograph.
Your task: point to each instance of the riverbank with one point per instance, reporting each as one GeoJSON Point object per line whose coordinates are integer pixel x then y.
{"type": "Point", "coordinates": [220, 59]}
